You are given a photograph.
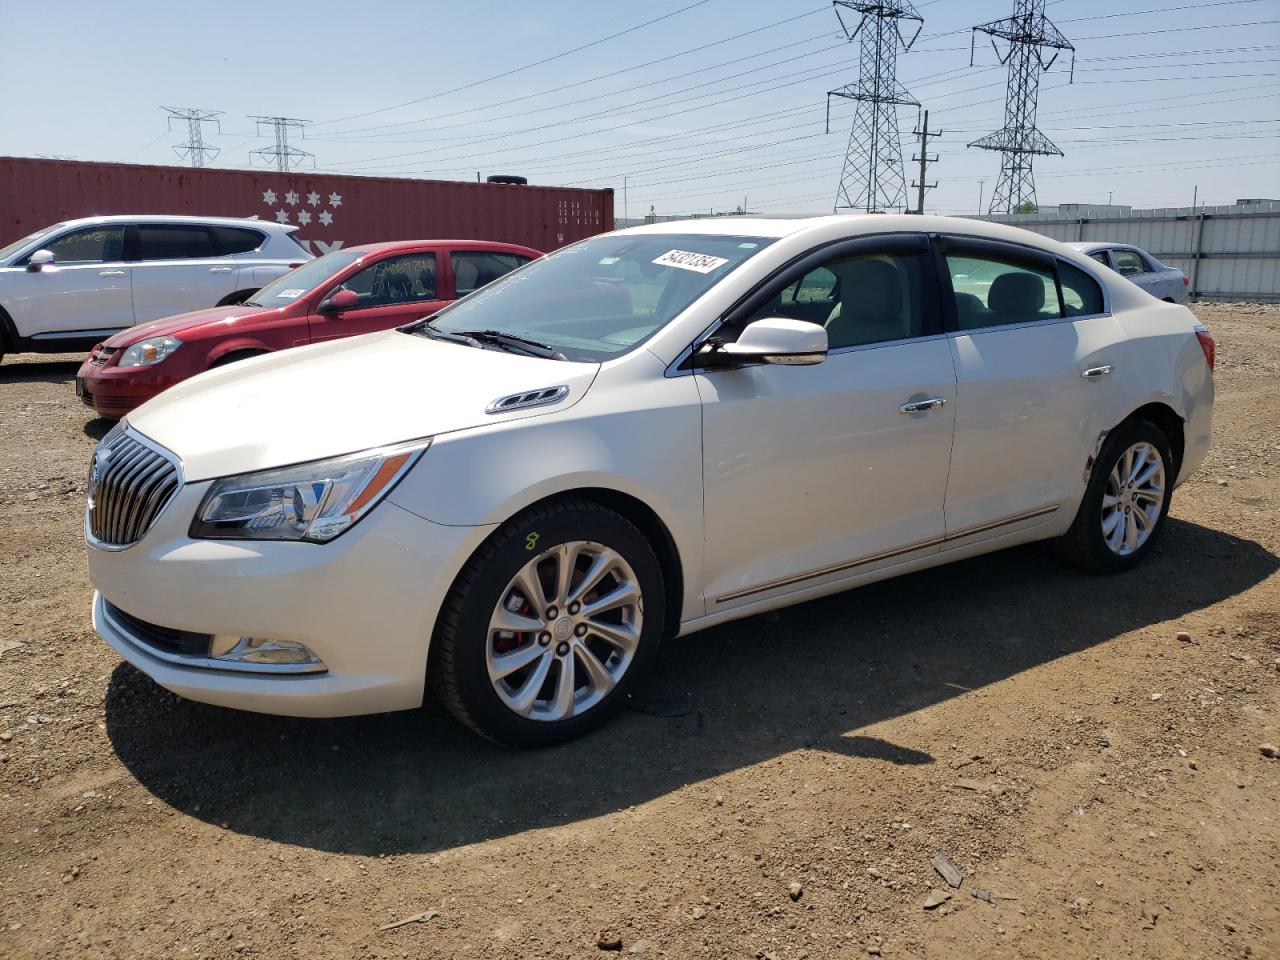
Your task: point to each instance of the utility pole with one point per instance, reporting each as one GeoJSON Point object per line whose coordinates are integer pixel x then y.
{"type": "Point", "coordinates": [981, 186]}
{"type": "Point", "coordinates": [872, 179]}
{"type": "Point", "coordinates": [194, 149]}
{"type": "Point", "coordinates": [1032, 39]}
{"type": "Point", "coordinates": [282, 155]}
{"type": "Point", "coordinates": [924, 160]}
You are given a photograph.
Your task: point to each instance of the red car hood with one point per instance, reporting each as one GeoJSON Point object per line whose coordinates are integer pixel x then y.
{"type": "Point", "coordinates": [173, 326]}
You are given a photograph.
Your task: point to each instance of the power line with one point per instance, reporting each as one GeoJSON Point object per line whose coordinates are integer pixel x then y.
{"type": "Point", "coordinates": [515, 70]}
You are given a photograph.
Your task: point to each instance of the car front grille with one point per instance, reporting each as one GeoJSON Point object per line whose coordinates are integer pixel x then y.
{"type": "Point", "coordinates": [101, 355]}
{"type": "Point", "coordinates": [130, 483]}
{"type": "Point", "coordinates": [182, 643]}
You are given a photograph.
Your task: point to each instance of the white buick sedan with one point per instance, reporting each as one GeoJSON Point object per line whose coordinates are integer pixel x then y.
{"type": "Point", "coordinates": [647, 433]}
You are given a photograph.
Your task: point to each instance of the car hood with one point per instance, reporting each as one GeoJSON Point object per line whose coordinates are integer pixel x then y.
{"type": "Point", "coordinates": [341, 397]}
{"type": "Point", "coordinates": [173, 326]}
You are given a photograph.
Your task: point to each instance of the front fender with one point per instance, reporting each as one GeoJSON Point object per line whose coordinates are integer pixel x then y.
{"type": "Point", "coordinates": [651, 452]}
{"type": "Point", "coordinates": [236, 345]}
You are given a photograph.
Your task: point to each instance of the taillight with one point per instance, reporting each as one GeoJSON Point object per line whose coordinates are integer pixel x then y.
{"type": "Point", "coordinates": [295, 266]}
{"type": "Point", "coordinates": [1207, 345]}
{"type": "Point", "coordinates": [1186, 281]}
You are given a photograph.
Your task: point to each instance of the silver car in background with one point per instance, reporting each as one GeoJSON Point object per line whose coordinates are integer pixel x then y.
{"type": "Point", "coordinates": [1160, 280]}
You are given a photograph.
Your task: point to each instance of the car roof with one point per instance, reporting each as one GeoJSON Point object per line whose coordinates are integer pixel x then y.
{"type": "Point", "coordinates": [408, 246]}
{"type": "Point", "coordinates": [179, 218]}
{"type": "Point", "coordinates": [853, 224]}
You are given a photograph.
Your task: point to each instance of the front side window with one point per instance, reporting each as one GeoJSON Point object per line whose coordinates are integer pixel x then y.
{"type": "Point", "coordinates": [174, 242]}
{"type": "Point", "coordinates": [991, 292]}
{"type": "Point", "coordinates": [7, 251]}
{"type": "Point", "coordinates": [405, 279]}
{"type": "Point", "coordinates": [473, 269]}
{"type": "Point", "coordinates": [863, 299]}
{"type": "Point", "coordinates": [1081, 295]}
{"type": "Point", "coordinates": [88, 245]}
{"type": "Point", "coordinates": [1128, 263]}
{"type": "Point", "coordinates": [601, 297]}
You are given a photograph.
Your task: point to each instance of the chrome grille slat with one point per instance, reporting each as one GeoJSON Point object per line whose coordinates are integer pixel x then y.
{"type": "Point", "coordinates": [130, 483]}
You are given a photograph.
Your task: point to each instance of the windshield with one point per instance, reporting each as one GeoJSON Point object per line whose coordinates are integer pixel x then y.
{"type": "Point", "coordinates": [303, 279]}
{"type": "Point", "coordinates": [11, 249]}
{"type": "Point", "coordinates": [603, 296]}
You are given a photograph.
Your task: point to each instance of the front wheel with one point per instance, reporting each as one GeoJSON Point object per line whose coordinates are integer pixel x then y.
{"type": "Point", "coordinates": [1125, 502]}
{"type": "Point", "coordinates": [550, 624]}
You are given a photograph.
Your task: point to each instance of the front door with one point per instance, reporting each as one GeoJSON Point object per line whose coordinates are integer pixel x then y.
{"type": "Point", "coordinates": [1036, 379]}
{"type": "Point", "coordinates": [390, 292]}
{"type": "Point", "coordinates": [83, 295]}
{"type": "Point", "coordinates": [178, 269]}
{"type": "Point", "coordinates": [814, 474]}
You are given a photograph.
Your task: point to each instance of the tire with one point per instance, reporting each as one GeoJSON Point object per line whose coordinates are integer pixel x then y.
{"type": "Point", "coordinates": [228, 358]}
{"type": "Point", "coordinates": [232, 299]}
{"type": "Point", "coordinates": [1086, 544]}
{"type": "Point", "coordinates": [466, 645]}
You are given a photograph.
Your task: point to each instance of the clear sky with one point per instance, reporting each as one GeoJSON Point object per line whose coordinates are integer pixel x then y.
{"type": "Point", "coordinates": [1167, 97]}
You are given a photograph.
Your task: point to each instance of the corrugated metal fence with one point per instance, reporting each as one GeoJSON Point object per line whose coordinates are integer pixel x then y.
{"type": "Point", "coordinates": [1230, 253]}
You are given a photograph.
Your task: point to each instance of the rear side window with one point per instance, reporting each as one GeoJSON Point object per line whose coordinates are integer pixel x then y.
{"type": "Point", "coordinates": [1101, 257]}
{"type": "Point", "coordinates": [472, 269]}
{"type": "Point", "coordinates": [232, 240]}
{"type": "Point", "coordinates": [1128, 263]}
{"type": "Point", "coordinates": [174, 242]}
{"type": "Point", "coordinates": [991, 292]}
{"type": "Point", "coordinates": [88, 245]}
{"type": "Point", "coordinates": [1081, 295]}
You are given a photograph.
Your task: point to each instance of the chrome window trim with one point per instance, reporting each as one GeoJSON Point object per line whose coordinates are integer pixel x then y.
{"type": "Point", "coordinates": [161, 451]}
{"type": "Point", "coordinates": [1026, 324]}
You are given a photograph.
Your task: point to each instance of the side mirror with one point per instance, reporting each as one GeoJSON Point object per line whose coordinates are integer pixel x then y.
{"type": "Point", "coordinates": [342, 300]}
{"type": "Point", "coordinates": [40, 259]}
{"type": "Point", "coordinates": [771, 340]}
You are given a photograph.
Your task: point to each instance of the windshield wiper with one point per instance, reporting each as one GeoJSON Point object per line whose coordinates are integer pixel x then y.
{"type": "Point", "coordinates": [523, 344]}
{"type": "Point", "coordinates": [435, 334]}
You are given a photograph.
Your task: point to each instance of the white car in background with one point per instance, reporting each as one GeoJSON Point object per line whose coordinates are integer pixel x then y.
{"type": "Point", "coordinates": [71, 285]}
{"type": "Point", "coordinates": [1160, 280]}
{"type": "Point", "coordinates": [642, 435]}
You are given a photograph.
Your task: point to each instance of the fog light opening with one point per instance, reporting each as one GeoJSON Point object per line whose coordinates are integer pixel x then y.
{"type": "Point", "coordinates": [262, 651]}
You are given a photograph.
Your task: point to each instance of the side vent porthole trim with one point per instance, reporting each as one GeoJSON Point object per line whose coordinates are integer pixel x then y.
{"type": "Point", "coordinates": [530, 398]}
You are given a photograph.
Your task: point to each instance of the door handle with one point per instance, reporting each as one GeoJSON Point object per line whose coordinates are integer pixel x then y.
{"type": "Point", "coordinates": [219, 269]}
{"type": "Point", "coordinates": [1094, 373]}
{"type": "Point", "coordinates": [111, 273]}
{"type": "Point", "coordinates": [922, 406]}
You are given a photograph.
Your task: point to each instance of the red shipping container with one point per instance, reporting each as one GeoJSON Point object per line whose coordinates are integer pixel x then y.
{"type": "Point", "coordinates": [331, 211]}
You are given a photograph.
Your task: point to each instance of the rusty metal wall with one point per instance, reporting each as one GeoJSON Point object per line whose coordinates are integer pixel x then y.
{"type": "Point", "coordinates": [1229, 252]}
{"type": "Point", "coordinates": [331, 211]}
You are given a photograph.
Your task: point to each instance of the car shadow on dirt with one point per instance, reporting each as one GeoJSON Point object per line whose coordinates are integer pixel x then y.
{"type": "Point", "coordinates": [46, 370]}
{"type": "Point", "coordinates": [814, 678]}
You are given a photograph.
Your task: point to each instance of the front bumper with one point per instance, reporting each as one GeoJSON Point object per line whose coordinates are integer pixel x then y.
{"type": "Point", "coordinates": [365, 604]}
{"type": "Point", "coordinates": [114, 391]}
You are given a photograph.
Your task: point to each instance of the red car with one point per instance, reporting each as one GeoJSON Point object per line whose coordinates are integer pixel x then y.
{"type": "Point", "coordinates": [344, 293]}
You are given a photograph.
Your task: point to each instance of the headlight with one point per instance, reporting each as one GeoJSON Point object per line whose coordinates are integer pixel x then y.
{"type": "Point", "coordinates": [146, 352]}
{"type": "Point", "coordinates": [310, 501]}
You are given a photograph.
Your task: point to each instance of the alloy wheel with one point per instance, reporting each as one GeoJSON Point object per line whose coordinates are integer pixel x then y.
{"type": "Point", "coordinates": [564, 631]}
{"type": "Point", "coordinates": [1133, 499]}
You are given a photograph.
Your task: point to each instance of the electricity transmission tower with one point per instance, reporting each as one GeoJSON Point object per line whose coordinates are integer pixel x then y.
{"type": "Point", "coordinates": [1032, 39]}
{"type": "Point", "coordinates": [194, 149]}
{"type": "Point", "coordinates": [281, 155]}
{"type": "Point", "coordinates": [872, 179]}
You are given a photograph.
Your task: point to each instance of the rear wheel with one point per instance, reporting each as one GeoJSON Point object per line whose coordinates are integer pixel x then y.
{"type": "Point", "coordinates": [1126, 501]}
{"type": "Point", "coordinates": [549, 625]}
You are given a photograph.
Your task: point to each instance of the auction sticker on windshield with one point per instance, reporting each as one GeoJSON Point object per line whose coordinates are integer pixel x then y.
{"type": "Point", "coordinates": [685, 260]}
{"type": "Point", "coordinates": [290, 294]}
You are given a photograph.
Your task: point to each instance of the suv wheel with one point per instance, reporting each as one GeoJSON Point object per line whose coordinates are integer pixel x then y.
{"type": "Point", "coordinates": [1125, 503]}
{"type": "Point", "coordinates": [549, 625]}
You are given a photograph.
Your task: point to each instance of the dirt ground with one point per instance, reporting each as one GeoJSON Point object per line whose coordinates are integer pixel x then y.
{"type": "Point", "coordinates": [1046, 730]}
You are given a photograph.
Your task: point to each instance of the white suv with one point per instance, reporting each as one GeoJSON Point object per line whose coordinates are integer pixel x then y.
{"type": "Point", "coordinates": [70, 285]}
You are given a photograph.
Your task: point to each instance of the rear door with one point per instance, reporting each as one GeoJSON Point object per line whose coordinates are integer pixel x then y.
{"type": "Point", "coordinates": [1036, 384]}
{"type": "Point", "coordinates": [392, 291]}
{"type": "Point", "coordinates": [177, 268]}
{"type": "Point", "coordinates": [84, 294]}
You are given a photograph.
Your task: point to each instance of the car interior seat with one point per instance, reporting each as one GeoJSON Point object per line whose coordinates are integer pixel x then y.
{"type": "Point", "coordinates": [870, 307]}
{"type": "Point", "coordinates": [1016, 298]}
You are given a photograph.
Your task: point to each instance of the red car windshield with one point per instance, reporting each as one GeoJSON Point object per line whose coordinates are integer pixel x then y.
{"type": "Point", "coordinates": [303, 279]}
